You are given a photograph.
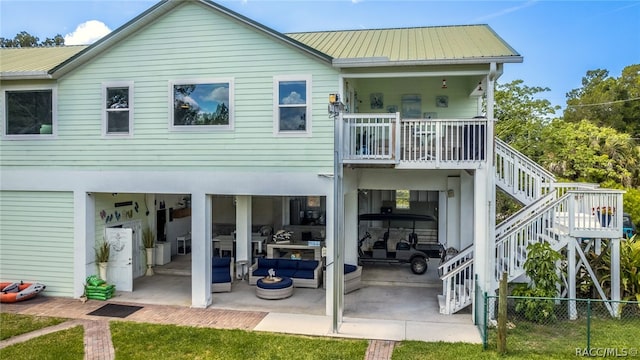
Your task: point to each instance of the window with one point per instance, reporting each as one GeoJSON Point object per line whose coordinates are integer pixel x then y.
{"type": "Point", "coordinates": [118, 102]}
{"type": "Point", "coordinates": [292, 109]}
{"type": "Point", "coordinates": [29, 112]}
{"type": "Point", "coordinates": [402, 199]}
{"type": "Point", "coordinates": [202, 103]}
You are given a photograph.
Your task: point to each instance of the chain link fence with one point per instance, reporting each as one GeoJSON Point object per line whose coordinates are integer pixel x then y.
{"type": "Point", "coordinates": [584, 327]}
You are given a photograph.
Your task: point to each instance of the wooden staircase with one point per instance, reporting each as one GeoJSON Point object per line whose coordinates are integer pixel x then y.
{"type": "Point", "coordinates": [561, 214]}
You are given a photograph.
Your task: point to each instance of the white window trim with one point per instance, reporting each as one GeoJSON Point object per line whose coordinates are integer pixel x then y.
{"type": "Point", "coordinates": [117, 84]}
{"type": "Point", "coordinates": [54, 112]}
{"type": "Point", "coordinates": [276, 106]}
{"type": "Point", "coordinates": [199, 128]}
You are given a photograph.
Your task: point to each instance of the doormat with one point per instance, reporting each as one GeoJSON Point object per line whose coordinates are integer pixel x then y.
{"type": "Point", "coordinates": [115, 310]}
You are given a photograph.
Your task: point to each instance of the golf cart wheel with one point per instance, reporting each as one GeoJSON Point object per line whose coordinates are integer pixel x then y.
{"type": "Point", "coordinates": [419, 265]}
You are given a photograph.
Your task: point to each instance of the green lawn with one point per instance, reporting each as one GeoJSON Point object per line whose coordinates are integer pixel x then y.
{"type": "Point", "coordinates": [65, 344]}
{"type": "Point", "coordinates": [150, 341]}
{"type": "Point", "coordinates": [15, 324]}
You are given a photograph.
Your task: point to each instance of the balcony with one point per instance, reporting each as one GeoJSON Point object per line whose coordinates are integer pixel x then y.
{"type": "Point", "coordinates": [386, 139]}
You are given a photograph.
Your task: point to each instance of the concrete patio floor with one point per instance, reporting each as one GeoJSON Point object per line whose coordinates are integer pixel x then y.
{"type": "Point", "coordinates": [393, 304]}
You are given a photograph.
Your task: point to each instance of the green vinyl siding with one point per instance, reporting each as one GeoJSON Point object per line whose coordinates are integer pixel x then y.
{"type": "Point", "coordinates": [36, 239]}
{"type": "Point", "coordinates": [191, 42]}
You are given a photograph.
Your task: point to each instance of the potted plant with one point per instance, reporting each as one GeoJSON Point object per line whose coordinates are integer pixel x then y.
{"type": "Point", "coordinates": [103, 251]}
{"type": "Point", "coordinates": [148, 241]}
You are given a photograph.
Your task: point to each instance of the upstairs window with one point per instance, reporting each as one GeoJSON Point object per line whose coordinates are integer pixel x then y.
{"type": "Point", "coordinates": [118, 116]}
{"type": "Point", "coordinates": [28, 113]}
{"type": "Point", "coordinates": [198, 104]}
{"type": "Point", "coordinates": [292, 110]}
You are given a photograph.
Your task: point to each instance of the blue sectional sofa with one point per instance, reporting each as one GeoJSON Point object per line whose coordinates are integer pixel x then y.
{"type": "Point", "coordinates": [304, 273]}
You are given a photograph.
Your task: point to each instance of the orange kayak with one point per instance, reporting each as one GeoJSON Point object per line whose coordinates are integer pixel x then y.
{"type": "Point", "coordinates": [14, 292]}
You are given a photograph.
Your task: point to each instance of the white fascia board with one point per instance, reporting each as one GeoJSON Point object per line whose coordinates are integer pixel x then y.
{"type": "Point", "coordinates": [24, 75]}
{"type": "Point", "coordinates": [373, 62]}
{"type": "Point", "coordinates": [415, 74]}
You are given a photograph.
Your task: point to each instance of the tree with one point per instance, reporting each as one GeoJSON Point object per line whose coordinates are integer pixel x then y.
{"type": "Point", "coordinates": [586, 152]}
{"type": "Point", "coordinates": [521, 115]}
{"type": "Point", "coordinates": [608, 101]}
{"type": "Point", "coordinates": [24, 39]}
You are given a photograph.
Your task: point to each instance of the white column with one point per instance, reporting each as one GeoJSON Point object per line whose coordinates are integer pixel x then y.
{"type": "Point", "coordinates": [453, 213]}
{"type": "Point", "coordinates": [442, 219]}
{"type": "Point", "coordinates": [571, 257]}
{"type": "Point", "coordinates": [351, 228]}
{"type": "Point", "coordinates": [483, 256]}
{"type": "Point", "coordinates": [200, 250]}
{"type": "Point", "coordinates": [243, 227]}
{"type": "Point", "coordinates": [615, 273]}
{"type": "Point", "coordinates": [84, 239]}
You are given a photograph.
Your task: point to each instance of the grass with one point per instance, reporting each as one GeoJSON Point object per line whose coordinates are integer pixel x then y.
{"type": "Point", "coordinates": [150, 341]}
{"type": "Point", "coordinates": [16, 324]}
{"type": "Point", "coordinates": [65, 344]}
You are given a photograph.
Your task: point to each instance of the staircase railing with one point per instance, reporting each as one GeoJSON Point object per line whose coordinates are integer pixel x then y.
{"type": "Point", "coordinates": [578, 213]}
{"type": "Point", "coordinates": [519, 176]}
{"type": "Point", "coordinates": [458, 287]}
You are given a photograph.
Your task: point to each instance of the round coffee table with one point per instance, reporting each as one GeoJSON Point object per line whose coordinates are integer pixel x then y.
{"type": "Point", "coordinates": [274, 288]}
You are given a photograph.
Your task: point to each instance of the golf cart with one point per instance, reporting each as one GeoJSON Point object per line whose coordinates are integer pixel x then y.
{"type": "Point", "coordinates": [406, 250]}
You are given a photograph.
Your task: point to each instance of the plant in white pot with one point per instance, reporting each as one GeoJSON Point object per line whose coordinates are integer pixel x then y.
{"type": "Point", "coordinates": [149, 243]}
{"type": "Point", "coordinates": [103, 251]}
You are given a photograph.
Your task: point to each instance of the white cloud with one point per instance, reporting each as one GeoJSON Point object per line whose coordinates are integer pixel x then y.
{"type": "Point", "coordinates": [220, 95]}
{"type": "Point", "coordinates": [87, 33]}
{"type": "Point", "coordinates": [506, 11]}
{"type": "Point", "coordinates": [293, 98]}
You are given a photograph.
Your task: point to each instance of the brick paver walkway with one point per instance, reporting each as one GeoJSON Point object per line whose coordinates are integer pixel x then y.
{"type": "Point", "coordinates": [97, 338]}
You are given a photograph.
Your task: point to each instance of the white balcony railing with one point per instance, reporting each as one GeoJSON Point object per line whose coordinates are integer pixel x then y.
{"type": "Point", "coordinates": [385, 138]}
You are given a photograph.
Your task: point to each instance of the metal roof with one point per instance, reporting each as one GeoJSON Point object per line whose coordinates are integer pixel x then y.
{"type": "Point", "coordinates": [418, 45]}
{"type": "Point", "coordinates": [33, 62]}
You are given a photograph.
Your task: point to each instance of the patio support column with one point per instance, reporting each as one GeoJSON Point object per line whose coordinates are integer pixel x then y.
{"type": "Point", "coordinates": [571, 265]}
{"type": "Point", "coordinates": [243, 228]}
{"type": "Point", "coordinates": [351, 228]}
{"type": "Point", "coordinates": [615, 274]}
{"type": "Point", "coordinates": [84, 238]}
{"type": "Point", "coordinates": [200, 250]}
{"type": "Point", "coordinates": [483, 244]}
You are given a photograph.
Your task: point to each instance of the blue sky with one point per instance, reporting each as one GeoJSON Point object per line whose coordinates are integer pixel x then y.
{"type": "Point", "coordinates": [559, 40]}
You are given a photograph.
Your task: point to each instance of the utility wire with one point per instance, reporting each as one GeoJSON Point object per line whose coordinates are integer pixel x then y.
{"type": "Point", "coordinates": [604, 103]}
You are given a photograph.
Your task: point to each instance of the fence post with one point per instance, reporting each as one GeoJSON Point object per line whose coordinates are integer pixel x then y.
{"type": "Point", "coordinates": [588, 324]}
{"type": "Point", "coordinates": [502, 315]}
{"type": "Point", "coordinates": [485, 334]}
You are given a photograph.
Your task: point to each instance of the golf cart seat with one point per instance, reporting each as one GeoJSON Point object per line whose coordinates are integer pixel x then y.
{"type": "Point", "coordinates": [380, 246]}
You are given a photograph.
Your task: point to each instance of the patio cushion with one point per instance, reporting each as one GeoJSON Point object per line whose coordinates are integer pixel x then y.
{"type": "Point", "coordinates": [220, 270]}
{"type": "Point", "coordinates": [286, 272]}
{"type": "Point", "coordinates": [288, 264]}
{"type": "Point", "coordinates": [304, 274]}
{"type": "Point", "coordinates": [284, 283]}
{"type": "Point", "coordinates": [267, 263]}
{"type": "Point", "coordinates": [349, 268]}
{"type": "Point", "coordinates": [220, 262]}
{"type": "Point", "coordinates": [220, 275]}
{"type": "Point", "coordinates": [307, 264]}
{"type": "Point", "coordinates": [261, 271]}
